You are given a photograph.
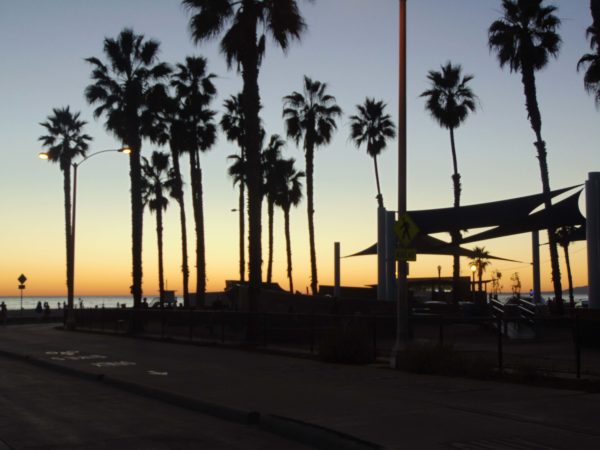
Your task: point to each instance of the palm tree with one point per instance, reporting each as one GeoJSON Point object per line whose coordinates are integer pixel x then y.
{"type": "Point", "coordinates": [244, 44]}
{"type": "Point", "coordinates": [65, 141]}
{"type": "Point", "coordinates": [449, 101]}
{"type": "Point", "coordinates": [480, 261]}
{"type": "Point", "coordinates": [195, 90]}
{"type": "Point", "coordinates": [524, 39]}
{"type": "Point", "coordinates": [373, 127]}
{"type": "Point", "coordinates": [563, 238]}
{"type": "Point", "coordinates": [123, 90]}
{"type": "Point", "coordinates": [310, 116]}
{"type": "Point", "coordinates": [158, 180]}
{"type": "Point", "coordinates": [288, 194]}
{"type": "Point", "coordinates": [232, 123]}
{"type": "Point", "coordinates": [165, 126]}
{"type": "Point", "coordinates": [591, 78]}
{"type": "Point", "coordinates": [271, 158]}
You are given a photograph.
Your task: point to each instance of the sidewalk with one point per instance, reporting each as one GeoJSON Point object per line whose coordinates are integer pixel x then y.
{"type": "Point", "coordinates": [379, 407]}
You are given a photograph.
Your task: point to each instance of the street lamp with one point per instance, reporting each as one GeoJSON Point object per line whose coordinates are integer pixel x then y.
{"type": "Point", "coordinates": [402, 322]}
{"type": "Point", "coordinates": [44, 155]}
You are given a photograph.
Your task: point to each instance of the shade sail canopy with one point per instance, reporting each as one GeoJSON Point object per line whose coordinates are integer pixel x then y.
{"type": "Point", "coordinates": [428, 245]}
{"type": "Point", "coordinates": [504, 212]}
{"type": "Point", "coordinates": [566, 212]}
{"type": "Point", "coordinates": [507, 217]}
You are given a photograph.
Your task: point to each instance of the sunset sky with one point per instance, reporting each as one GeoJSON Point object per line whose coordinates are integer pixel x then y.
{"type": "Point", "coordinates": [350, 44]}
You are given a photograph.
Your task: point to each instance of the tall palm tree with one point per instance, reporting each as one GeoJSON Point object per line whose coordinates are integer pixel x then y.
{"type": "Point", "coordinates": [123, 89]}
{"type": "Point", "coordinates": [591, 78]}
{"type": "Point", "coordinates": [195, 91]}
{"type": "Point", "coordinates": [373, 127]}
{"type": "Point", "coordinates": [524, 38]}
{"type": "Point", "coordinates": [449, 101]}
{"type": "Point", "coordinates": [244, 43]}
{"type": "Point", "coordinates": [481, 262]}
{"type": "Point", "coordinates": [310, 117]}
{"type": "Point", "coordinates": [158, 181]}
{"type": "Point", "coordinates": [563, 238]}
{"type": "Point", "coordinates": [232, 123]}
{"type": "Point", "coordinates": [65, 141]}
{"type": "Point", "coordinates": [271, 158]}
{"type": "Point", "coordinates": [165, 126]}
{"type": "Point", "coordinates": [288, 194]}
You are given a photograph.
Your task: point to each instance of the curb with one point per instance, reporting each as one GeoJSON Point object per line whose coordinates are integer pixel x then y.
{"type": "Point", "coordinates": [288, 428]}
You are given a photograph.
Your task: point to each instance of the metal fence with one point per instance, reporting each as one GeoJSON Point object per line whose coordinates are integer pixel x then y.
{"type": "Point", "coordinates": [509, 338]}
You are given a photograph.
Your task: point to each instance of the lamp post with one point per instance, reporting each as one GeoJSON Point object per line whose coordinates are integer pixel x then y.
{"type": "Point", "coordinates": [439, 268]}
{"type": "Point", "coordinates": [71, 256]}
{"type": "Point", "coordinates": [402, 323]}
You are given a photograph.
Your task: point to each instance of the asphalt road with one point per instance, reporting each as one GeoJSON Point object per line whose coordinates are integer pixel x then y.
{"type": "Point", "coordinates": [394, 409]}
{"type": "Point", "coordinates": [42, 409]}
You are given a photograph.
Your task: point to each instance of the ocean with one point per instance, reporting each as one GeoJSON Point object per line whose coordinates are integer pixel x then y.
{"type": "Point", "coordinates": [88, 302]}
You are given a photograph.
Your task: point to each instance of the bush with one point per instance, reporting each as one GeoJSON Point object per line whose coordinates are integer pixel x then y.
{"type": "Point", "coordinates": [435, 359]}
{"type": "Point", "coordinates": [349, 343]}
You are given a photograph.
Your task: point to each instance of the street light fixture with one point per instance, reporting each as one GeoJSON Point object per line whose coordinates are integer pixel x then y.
{"type": "Point", "coordinates": [44, 155]}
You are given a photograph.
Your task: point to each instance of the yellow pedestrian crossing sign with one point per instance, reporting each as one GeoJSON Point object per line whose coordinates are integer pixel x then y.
{"type": "Point", "coordinates": [406, 230]}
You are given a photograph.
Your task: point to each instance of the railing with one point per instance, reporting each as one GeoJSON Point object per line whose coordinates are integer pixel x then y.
{"type": "Point", "coordinates": [310, 333]}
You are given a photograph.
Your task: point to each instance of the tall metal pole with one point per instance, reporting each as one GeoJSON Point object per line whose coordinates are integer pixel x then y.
{"type": "Point", "coordinates": [402, 294]}
{"type": "Point", "coordinates": [592, 199]}
{"type": "Point", "coordinates": [336, 270]}
{"type": "Point", "coordinates": [535, 248]}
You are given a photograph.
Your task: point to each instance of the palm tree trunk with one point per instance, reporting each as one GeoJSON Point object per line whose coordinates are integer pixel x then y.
{"type": "Point", "coordinates": [201, 241]}
{"type": "Point", "coordinates": [270, 213]}
{"type": "Point", "coordinates": [379, 196]}
{"type": "Point", "coordinates": [595, 9]}
{"type": "Point", "coordinates": [68, 234]}
{"type": "Point", "coordinates": [185, 271]}
{"type": "Point", "coordinates": [455, 234]}
{"type": "Point", "coordinates": [569, 276]}
{"type": "Point", "coordinates": [196, 176]}
{"type": "Point", "coordinates": [528, 79]}
{"type": "Point", "coordinates": [288, 247]}
{"type": "Point", "coordinates": [137, 219]}
{"type": "Point", "coordinates": [479, 277]}
{"type": "Point", "coordinates": [311, 211]}
{"type": "Point", "coordinates": [251, 106]}
{"type": "Point", "coordinates": [159, 240]}
{"type": "Point", "coordinates": [242, 214]}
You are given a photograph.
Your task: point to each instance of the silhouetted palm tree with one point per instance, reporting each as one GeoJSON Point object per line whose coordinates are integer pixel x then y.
{"type": "Point", "coordinates": [310, 116]}
{"type": "Point", "coordinates": [591, 61]}
{"type": "Point", "coordinates": [123, 89]}
{"type": "Point", "coordinates": [165, 126]}
{"type": "Point", "coordinates": [244, 44]}
{"type": "Point", "coordinates": [449, 101]}
{"type": "Point", "coordinates": [563, 238]}
{"type": "Point", "coordinates": [524, 39]}
{"type": "Point", "coordinates": [195, 90]}
{"type": "Point", "coordinates": [232, 123]}
{"type": "Point", "coordinates": [373, 127]}
{"type": "Point", "coordinates": [158, 182]}
{"type": "Point", "coordinates": [288, 194]}
{"type": "Point", "coordinates": [480, 260]}
{"type": "Point", "coordinates": [271, 158]}
{"type": "Point", "coordinates": [65, 141]}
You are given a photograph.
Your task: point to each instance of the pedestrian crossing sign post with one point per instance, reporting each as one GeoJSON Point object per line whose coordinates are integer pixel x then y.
{"type": "Point", "coordinates": [406, 254]}
{"type": "Point", "coordinates": [406, 231]}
